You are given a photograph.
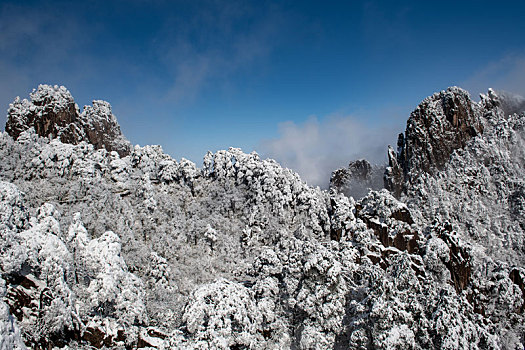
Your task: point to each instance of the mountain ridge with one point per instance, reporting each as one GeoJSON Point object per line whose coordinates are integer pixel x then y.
{"type": "Point", "coordinates": [142, 251]}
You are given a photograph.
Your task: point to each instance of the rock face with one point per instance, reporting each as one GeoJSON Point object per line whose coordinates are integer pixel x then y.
{"type": "Point", "coordinates": [102, 129]}
{"type": "Point", "coordinates": [394, 178]}
{"type": "Point", "coordinates": [357, 179]}
{"type": "Point", "coordinates": [53, 113]}
{"type": "Point", "coordinates": [442, 123]}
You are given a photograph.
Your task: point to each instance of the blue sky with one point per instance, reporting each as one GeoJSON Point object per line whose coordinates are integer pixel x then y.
{"type": "Point", "coordinates": [310, 83]}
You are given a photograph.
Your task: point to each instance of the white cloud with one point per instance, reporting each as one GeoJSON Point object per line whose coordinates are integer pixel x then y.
{"type": "Point", "coordinates": [316, 147]}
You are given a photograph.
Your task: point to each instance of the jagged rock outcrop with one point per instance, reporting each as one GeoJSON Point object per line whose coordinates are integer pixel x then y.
{"type": "Point", "coordinates": [442, 123]}
{"type": "Point", "coordinates": [53, 113]}
{"type": "Point", "coordinates": [357, 179]}
{"type": "Point", "coordinates": [102, 129]}
{"type": "Point", "coordinates": [393, 178]}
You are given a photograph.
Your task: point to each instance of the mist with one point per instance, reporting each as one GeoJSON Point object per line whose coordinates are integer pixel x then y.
{"type": "Point", "coordinates": [316, 147]}
{"type": "Point", "coordinates": [510, 102]}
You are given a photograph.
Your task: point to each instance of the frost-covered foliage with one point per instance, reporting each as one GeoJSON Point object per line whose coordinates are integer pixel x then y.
{"type": "Point", "coordinates": [99, 250]}
{"type": "Point", "coordinates": [56, 284]}
{"type": "Point", "coordinates": [224, 314]}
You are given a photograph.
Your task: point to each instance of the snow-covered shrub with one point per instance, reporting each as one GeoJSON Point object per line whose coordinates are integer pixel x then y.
{"type": "Point", "coordinates": [112, 290]}
{"type": "Point", "coordinates": [224, 314]}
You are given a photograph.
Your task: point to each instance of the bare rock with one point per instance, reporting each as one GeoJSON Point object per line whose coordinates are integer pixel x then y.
{"type": "Point", "coordinates": [390, 220]}
{"type": "Point", "coordinates": [51, 112]}
{"type": "Point", "coordinates": [459, 261]}
{"type": "Point", "coordinates": [26, 297]}
{"type": "Point", "coordinates": [517, 275]}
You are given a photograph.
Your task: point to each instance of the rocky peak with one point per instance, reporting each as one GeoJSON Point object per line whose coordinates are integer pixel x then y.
{"type": "Point", "coordinates": [358, 169]}
{"type": "Point", "coordinates": [52, 112]}
{"type": "Point", "coordinates": [102, 129]}
{"type": "Point", "coordinates": [357, 178]}
{"type": "Point", "coordinates": [442, 123]}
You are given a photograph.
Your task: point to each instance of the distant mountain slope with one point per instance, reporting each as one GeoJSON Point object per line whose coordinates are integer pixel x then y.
{"type": "Point", "coordinates": [358, 178]}
{"type": "Point", "coordinates": [101, 248]}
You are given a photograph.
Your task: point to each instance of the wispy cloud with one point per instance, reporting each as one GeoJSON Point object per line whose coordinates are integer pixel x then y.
{"type": "Point", "coordinates": [511, 103]}
{"type": "Point", "coordinates": [35, 44]}
{"type": "Point", "coordinates": [316, 147]}
{"type": "Point", "coordinates": [37, 36]}
{"type": "Point", "coordinates": [507, 74]}
{"type": "Point", "coordinates": [214, 44]}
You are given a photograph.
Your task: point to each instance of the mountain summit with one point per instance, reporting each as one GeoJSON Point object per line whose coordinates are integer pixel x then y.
{"type": "Point", "coordinates": [441, 124]}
